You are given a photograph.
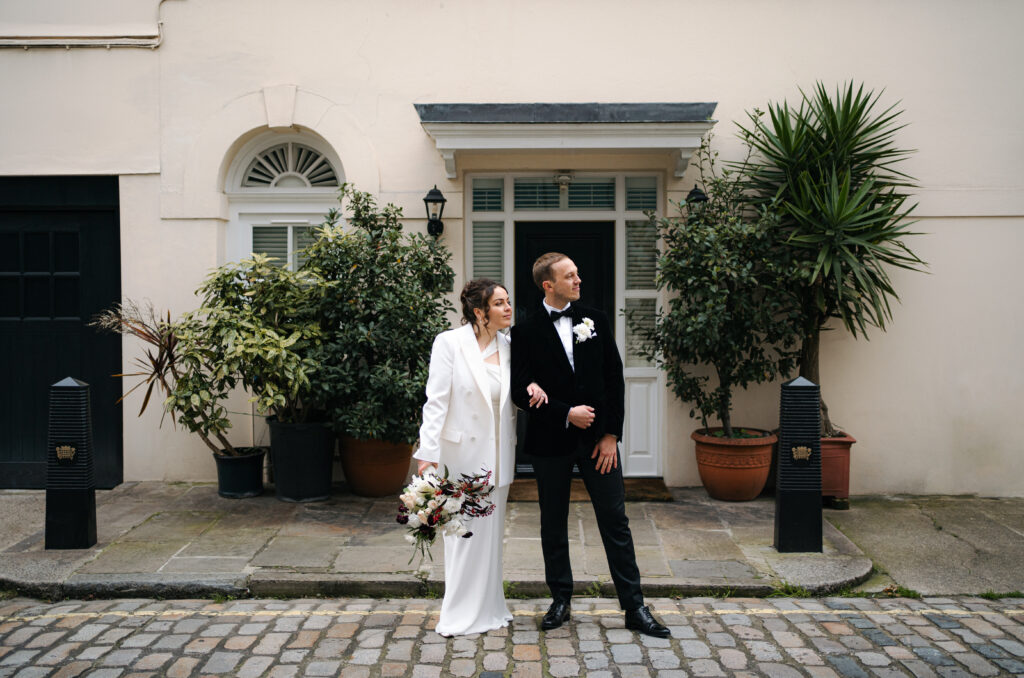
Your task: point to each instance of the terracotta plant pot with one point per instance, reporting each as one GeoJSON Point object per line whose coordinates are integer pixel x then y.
{"type": "Point", "coordinates": [375, 468]}
{"type": "Point", "coordinates": [835, 470]}
{"type": "Point", "coordinates": [733, 469]}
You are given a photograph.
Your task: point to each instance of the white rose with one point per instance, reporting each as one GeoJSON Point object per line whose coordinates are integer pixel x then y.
{"type": "Point", "coordinates": [414, 521]}
{"type": "Point", "coordinates": [452, 527]}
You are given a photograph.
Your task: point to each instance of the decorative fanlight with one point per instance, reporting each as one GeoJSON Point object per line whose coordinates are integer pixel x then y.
{"type": "Point", "coordinates": [290, 165]}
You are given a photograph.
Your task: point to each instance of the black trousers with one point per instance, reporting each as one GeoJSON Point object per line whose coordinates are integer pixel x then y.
{"type": "Point", "coordinates": [608, 497]}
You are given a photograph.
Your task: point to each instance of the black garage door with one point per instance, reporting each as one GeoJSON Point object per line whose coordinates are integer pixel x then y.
{"type": "Point", "coordinates": [60, 264]}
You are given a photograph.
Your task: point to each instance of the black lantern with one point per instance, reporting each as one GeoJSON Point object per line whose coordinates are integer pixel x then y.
{"type": "Point", "coordinates": [696, 196]}
{"type": "Point", "coordinates": [434, 201]}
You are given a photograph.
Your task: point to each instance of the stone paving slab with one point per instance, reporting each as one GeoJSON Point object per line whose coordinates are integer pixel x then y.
{"type": "Point", "coordinates": [360, 638]}
{"type": "Point", "coordinates": [183, 539]}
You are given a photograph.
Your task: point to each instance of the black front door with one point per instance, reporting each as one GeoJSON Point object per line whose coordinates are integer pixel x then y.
{"type": "Point", "coordinates": [591, 246]}
{"type": "Point", "coordinates": [60, 264]}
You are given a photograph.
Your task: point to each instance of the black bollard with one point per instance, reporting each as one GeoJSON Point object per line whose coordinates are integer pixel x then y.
{"type": "Point", "coordinates": [70, 485]}
{"type": "Point", "coordinates": [798, 483]}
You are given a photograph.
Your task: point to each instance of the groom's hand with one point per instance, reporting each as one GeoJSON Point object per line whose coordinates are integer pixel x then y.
{"type": "Point", "coordinates": [606, 454]}
{"type": "Point", "coordinates": [581, 416]}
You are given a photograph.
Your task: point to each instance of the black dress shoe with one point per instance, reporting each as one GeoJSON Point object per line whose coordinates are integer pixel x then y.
{"type": "Point", "coordinates": [643, 621]}
{"type": "Point", "coordinates": [556, 615]}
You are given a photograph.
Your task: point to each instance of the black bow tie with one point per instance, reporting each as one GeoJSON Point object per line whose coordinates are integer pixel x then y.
{"type": "Point", "coordinates": [555, 315]}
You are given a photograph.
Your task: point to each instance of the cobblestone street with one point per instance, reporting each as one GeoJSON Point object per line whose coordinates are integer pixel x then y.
{"type": "Point", "coordinates": [961, 636]}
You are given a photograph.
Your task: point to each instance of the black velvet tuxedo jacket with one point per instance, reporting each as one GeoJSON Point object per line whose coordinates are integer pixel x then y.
{"type": "Point", "coordinates": [539, 356]}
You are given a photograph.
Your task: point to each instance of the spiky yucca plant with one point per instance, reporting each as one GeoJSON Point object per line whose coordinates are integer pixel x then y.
{"type": "Point", "coordinates": [831, 165]}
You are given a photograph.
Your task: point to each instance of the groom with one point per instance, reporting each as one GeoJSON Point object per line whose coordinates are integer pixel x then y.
{"type": "Point", "coordinates": [569, 350]}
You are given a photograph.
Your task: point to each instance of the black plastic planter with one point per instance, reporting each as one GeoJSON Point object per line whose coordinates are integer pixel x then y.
{"type": "Point", "coordinates": [303, 457]}
{"type": "Point", "coordinates": [241, 476]}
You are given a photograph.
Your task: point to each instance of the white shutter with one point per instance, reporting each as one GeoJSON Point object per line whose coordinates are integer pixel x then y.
{"type": "Point", "coordinates": [272, 241]}
{"type": "Point", "coordinates": [489, 250]}
{"type": "Point", "coordinates": [641, 254]}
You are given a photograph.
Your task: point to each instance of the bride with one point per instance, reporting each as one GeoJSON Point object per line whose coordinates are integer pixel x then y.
{"type": "Point", "coordinates": [467, 426]}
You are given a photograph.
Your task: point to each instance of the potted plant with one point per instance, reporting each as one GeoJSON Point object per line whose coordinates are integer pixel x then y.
{"type": "Point", "coordinates": [727, 312]}
{"type": "Point", "coordinates": [188, 369]}
{"type": "Point", "coordinates": [383, 304]}
{"type": "Point", "coordinates": [263, 317]}
{"type": "Point", "coordinates": [830, 165]}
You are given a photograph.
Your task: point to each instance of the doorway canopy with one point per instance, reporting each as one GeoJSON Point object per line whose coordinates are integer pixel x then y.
{"type": "Point", "coordinates": [674, 128]}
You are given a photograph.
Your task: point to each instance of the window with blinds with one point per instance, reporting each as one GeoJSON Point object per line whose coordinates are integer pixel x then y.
{"type": "Point", "coordinates": [282, 243]}
{"type": "Point", "coordinates": [641, 280]}
{"type": "Point", "coordinates": [535, 194]}
{"type": "Point", "coordinates": [531, 193]}
{"type": "Point", "coordinates": [489, 250]}
{"type": "Point", "coordinates": [488, 195]}
{"type": "Point", "coordinates": [593, 194]}
{"type": "Point", "coordinates": [641, 193]}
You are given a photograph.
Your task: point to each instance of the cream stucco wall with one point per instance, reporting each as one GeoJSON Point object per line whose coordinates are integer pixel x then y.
{"type": "Point", "coordinates": [931, 401]}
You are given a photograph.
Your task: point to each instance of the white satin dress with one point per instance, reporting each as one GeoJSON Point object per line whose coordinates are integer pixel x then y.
{"type": "Point", "coordinates": [474, 594]}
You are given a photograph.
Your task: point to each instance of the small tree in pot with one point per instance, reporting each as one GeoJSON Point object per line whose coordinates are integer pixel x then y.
{"type": "Point", "coordinates": [262, 318]}
{"type": "Point", "coordinates": [383, 303]}
{"type": "Point", "coordinates": [831, 166]}
{"type": "Point", "coordinates": [726, 310]}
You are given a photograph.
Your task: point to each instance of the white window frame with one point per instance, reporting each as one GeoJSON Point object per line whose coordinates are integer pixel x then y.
{"type": "Point", "coordinates": [273, 206]}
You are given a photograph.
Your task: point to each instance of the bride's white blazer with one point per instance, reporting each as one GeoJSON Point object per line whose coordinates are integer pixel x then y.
{"type": "Point", "coordinates": [458, 418]}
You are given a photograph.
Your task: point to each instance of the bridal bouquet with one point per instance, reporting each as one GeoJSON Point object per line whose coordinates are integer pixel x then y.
{"type": "Point", "coordinates": [434, 502]}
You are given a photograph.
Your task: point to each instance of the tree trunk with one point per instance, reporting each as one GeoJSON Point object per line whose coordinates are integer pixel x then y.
{"type": "Point", "coordinates": [725, 404]}
{"type": "Point", "coordinates": [810, 370]}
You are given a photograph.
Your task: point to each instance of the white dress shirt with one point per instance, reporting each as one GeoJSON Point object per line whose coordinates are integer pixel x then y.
{"type": "Point", "coordinates": [564, 328]}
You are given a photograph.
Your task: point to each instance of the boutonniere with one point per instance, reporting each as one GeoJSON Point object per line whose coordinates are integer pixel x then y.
{"type": "Point", "coordinates": [584, 330]}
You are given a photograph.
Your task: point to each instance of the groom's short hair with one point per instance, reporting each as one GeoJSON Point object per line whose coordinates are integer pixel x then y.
{"type": "Point", "coordinates": [542, 267]}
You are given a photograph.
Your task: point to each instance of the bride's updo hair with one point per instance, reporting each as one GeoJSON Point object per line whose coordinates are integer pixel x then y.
{"type": "Point", "coordinates": [477, 294]}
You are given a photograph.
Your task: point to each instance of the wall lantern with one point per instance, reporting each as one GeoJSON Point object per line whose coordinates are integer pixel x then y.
{"type": "Point", "coordinates": [434, 201]}
{"type": "Point", "coordinates": [696, 196]}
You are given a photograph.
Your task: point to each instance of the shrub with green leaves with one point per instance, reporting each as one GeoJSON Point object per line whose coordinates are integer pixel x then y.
{"type": "Point", "coordinates": [258, 321]}
{"type": "Point", "coordinates": [727, 307]}
{"type": "Point", "coordinates": [383, 302]}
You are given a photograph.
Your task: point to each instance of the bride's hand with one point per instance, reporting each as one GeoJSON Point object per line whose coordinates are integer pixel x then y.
{"type": "Point", "coordinates": [423, 466]}
{"type": "Point", "coordinates": [537, 395]}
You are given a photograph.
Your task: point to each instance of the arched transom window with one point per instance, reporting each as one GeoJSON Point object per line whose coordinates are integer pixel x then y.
{"type": "Point", "coordinates": [290, 165]}
{"type": "Point", "coordinates": [280, 187]}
